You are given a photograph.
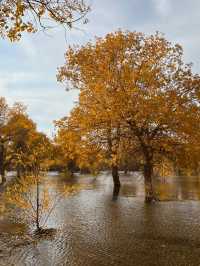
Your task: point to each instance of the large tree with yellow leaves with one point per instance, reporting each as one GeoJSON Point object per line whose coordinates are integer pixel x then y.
{"type": "Point", "coordinates": [140, 87]}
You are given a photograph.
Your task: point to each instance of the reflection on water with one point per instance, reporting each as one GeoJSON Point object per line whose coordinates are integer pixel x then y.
{"type": "Point", "coordinates": [95, 231]}
{"type": "Point", "coordinates": [166, 189]}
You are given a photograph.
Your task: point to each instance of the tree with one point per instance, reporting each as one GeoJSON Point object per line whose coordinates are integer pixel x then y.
{"type": "Point", "coordinates": [31, 155]}
{"type": "Point", "coordinates": [145, 87]}
{"type": "Point", "coordinates": [20, 129]}
{"type": "Point", "coordinates": [4, 110]}
{"type": "Point", "coordinates": [35, 199]}
{"type": "Point", "coordinates": [14, 129]}
{"type": "Point", "coordinates": [22, 147]}
{"type": "Point", "coordinates": [18, 16]}
{"type": "Point", "coordinates": [76, 145]}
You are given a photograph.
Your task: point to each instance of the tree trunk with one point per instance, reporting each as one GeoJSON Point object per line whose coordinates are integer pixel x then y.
{"type": "Point", "coordinates": [37, 206]}
{"type": "Point", "coordinates": [2, 164]}
{"type": "Point", "coordinates": [116, 181]}
{"type": "Point", "coordinates": [148, 171]}
{"type": "Point", "coordinates": [18, 171]}
{"type": "Point", "coordinates": [3, 178]}
{"type": "Point", "coordinates": [126, 171]}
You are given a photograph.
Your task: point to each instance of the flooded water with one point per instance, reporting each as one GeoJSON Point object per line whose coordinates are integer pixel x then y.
{"type": "Point", "coordinates": [93, 230]}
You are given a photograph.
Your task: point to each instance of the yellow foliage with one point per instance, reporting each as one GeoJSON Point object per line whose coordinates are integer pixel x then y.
{"type": "Point", "coordinates": [18, 16]}
{"type": "Point", "coordinates": [133, 88]}
{"type": "Point", "coordinates": [35, 198]}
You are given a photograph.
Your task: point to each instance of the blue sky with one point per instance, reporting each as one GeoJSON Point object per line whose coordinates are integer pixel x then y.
{"type": "Point", "coordinates": [28, 68]}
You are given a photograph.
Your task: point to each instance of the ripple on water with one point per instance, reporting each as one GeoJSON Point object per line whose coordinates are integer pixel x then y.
{"type": "Point", "coordinates": [93, 230]}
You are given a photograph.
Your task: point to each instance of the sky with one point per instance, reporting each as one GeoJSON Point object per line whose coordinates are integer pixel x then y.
{"type": "Point", "coordinates": [28, 68]}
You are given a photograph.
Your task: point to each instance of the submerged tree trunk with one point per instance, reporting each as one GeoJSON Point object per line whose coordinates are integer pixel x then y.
{"type": "Point", "coordinates": [126, 171]}
{"type": "Point", "coordinates": [116, 181]}
{"type": "Point", "coordinates": [2, 172]}
{"type": "Point", "coordinates": [70, 168]}
{"type": "Point", "coordinates": [148, 172]}
{"type": "Point", "coordinates": [37, 206]}
{"type": "Point", "coordinates": [18, 171]}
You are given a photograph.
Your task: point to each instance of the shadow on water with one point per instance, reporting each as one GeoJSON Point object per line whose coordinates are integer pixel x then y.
{"type": "Point", "coordinates": [93, 230]}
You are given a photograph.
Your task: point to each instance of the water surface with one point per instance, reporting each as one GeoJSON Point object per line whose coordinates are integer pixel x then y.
{"type": "Point", "coordinates": [93, 230]}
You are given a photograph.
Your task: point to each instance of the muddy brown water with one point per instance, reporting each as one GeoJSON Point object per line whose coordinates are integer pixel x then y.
{"type": "Point", "coordinates": [93, 230]}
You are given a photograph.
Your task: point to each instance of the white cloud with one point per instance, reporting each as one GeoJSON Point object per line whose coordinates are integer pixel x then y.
{"type": "Point", "coordinates": [28, 68]}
